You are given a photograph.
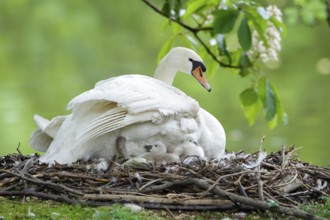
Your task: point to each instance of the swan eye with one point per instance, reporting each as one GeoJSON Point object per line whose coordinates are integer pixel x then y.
{"type": "Point", "coordinates": [196, 64]}
{"type": "Point", "coordinates": [156, 145]}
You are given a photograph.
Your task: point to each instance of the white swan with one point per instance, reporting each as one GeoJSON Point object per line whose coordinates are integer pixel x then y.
{"type": "Point", "coordinates": [140, 108]}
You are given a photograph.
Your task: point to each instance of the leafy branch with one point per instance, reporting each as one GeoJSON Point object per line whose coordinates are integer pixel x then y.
{"type": "Point", "coordinates": [209, 26]}
{"type": "Point", "coordinates": [194, 31]}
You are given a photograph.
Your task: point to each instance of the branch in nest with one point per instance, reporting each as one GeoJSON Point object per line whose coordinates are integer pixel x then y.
{"type": "Point", "coordinates": [256, 203]}
{"type": "Point", "coordinates": [165, 201]}
{"type": "Point", "coordinates": [51, 185]}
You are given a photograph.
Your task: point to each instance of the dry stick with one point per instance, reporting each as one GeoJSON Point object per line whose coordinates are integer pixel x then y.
{"type": "Point", "coordinates": [323, 175]}
{"type": "Point", "coordinates": [120, 145]}
{"type": "Point", "coordinates": [149, 183]}
{"type": "Point", "coordinates": [51, 185]}
{"type": "Point", "coordinates": [237, 198]}
{"type": "Point", "coordinates": [253, 202]}
{"type": "Point", "coordinates": [171, 214]}
{"type": "Point", "coordinates": [258, 178]}
{"type": "Point", "coordinates": [112, 164]}
{"type": "Point", "coordinates": [40, 195]}
{"type": "Point", "coordinates": [151, 199]}
{"type": "Point", "coordinates": [227, 175]}
{"type": "Point", "coordinates": [241, 189]}
{"type": "Point", "coordinates": [71, 175]}
{"type": "Point", "coordinates": [18, 150]}
{"type": "Point", "coordinates": [283, 162]}
{"type": "Point", "coordinates": [289, 182]}
{"type": "Point", "coordinates": [283, 196]}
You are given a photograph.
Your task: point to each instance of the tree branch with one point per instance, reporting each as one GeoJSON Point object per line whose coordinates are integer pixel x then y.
{"type": "Point", "coordinates": [195, 33]}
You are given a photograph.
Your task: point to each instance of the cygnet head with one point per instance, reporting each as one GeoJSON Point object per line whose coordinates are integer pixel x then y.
{"type": "Point", "coordinates": [184, 60]}
{"type": "Point", "coordinates": [189, 147]}
{"type": "Point", "coordinates": [157, 147]}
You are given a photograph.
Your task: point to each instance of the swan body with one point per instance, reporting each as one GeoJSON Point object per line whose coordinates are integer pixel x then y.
{"type": "Point", "coordinates": [140, 108]}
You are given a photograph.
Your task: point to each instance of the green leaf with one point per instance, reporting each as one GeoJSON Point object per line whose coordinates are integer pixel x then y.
{"type": "Point", "coordinates": [222, 46]}
{"type": "Point", "coordinates": [166, 48]}
{"type": "Point", "coordinates": [244, 35]}
{"type": "Point", "coordinates": [193, 6]}
{"type": "Point", "coordinates": [224, 21]}
{"type": "Point", "coordinates": [249, 97]}
{"type": "Point", "coordinates": [282, 117]}
{"type": "Point", "coordinates": [251, 104]}
{"type": "Point", "coordinates": [177, 7]}
{"type": "Point", "coordinates": [166, 9]}
{"type": "Point", "coordinates": [267, 96]}
{"type": "Point", "coordinates": [245, 63]}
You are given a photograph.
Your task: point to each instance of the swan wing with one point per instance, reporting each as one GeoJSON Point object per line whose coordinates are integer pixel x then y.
{"type": "Point", "coordinates": [122, 101]}
{"type": "Point", "coordinates": [138, 93]}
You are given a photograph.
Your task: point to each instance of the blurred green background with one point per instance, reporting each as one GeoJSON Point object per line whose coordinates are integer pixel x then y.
{"type": "Point", "coordinates": [51, 51]}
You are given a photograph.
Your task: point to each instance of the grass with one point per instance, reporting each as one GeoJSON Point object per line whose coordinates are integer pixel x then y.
{"type": "Point", "coordinates": [321, 209]}
{"type": "Point", "coordinates": [41, 209]}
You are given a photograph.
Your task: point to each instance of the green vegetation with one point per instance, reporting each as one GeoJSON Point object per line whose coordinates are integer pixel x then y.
{"type": "Point", "coordinates": [11, 209]}
{"type": "Point", "coordinates": [320, 209]}
{"type": "Point", "coordinates": [39, 209]}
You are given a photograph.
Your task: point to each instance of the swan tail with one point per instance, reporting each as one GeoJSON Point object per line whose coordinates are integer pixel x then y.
{"type": "Point", "coordinates": [40, 141]}
{"type": "Point", "coordinates": [49, 127]}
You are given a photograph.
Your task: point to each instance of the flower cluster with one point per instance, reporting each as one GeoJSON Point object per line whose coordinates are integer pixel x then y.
{"type": "Point", "coordinates": [272, 36]}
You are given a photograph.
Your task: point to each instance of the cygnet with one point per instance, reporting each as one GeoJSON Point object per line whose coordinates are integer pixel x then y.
{"type": "Point", "coordinates": [157, 153]}
{"type": "Point", "coordinates": [189, 147]}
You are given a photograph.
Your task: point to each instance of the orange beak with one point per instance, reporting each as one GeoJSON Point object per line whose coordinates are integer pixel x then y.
{"type": "Point", "coordinates": [199, 75]}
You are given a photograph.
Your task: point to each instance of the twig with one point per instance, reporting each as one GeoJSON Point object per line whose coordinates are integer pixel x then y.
{"type": "Point", "coordinates": [253, 202]}
{"type": "Point", "coordinates": [171, 214]}
{"type": "Point", "coordinates": [18, 150]}
{"type": "Point", "coordinates": [40, 195]}
{"type": "Point", "coordinates": [148, 184]}
{"type": "Point", "coordinates": [258, 178]}
{"type": "Point", "coordinates": [51, 185]}
{"type": "Point", "coordinates": [120, 146]}
{"type": "Point", "coordinates": [112, 164]}
{"type": "Point", "coordinates": [151, 199]}
{"type": "Point", "coordinates": [241, 189]}
{"type": "Point", "coordinates": [227, 175]}
{"type": "Point", "coordinates": [283, 161]}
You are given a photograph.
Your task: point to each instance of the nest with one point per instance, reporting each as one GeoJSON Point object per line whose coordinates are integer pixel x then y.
{"type": "Point", "coordinates": [279, 183]}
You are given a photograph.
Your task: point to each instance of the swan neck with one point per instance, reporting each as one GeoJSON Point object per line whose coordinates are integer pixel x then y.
{"type": "Point", "coordinates": [165, 73]}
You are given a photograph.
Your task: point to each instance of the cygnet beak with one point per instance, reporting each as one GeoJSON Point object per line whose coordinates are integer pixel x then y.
{"type": "Point", "coordinates": [148, 147]}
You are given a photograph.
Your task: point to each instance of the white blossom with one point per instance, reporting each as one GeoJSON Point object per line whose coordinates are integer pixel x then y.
{"type": "Point", "coordinates": [272, 36]}
{"type": "Point", "coordinates": [213, 42]}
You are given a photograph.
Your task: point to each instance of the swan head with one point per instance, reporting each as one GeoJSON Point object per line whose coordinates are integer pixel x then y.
{"type": "Point", "coordinates": [184, 60]}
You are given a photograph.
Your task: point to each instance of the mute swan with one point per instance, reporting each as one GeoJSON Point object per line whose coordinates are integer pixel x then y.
{"type": "Point", "coordinates": [137, 107]}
